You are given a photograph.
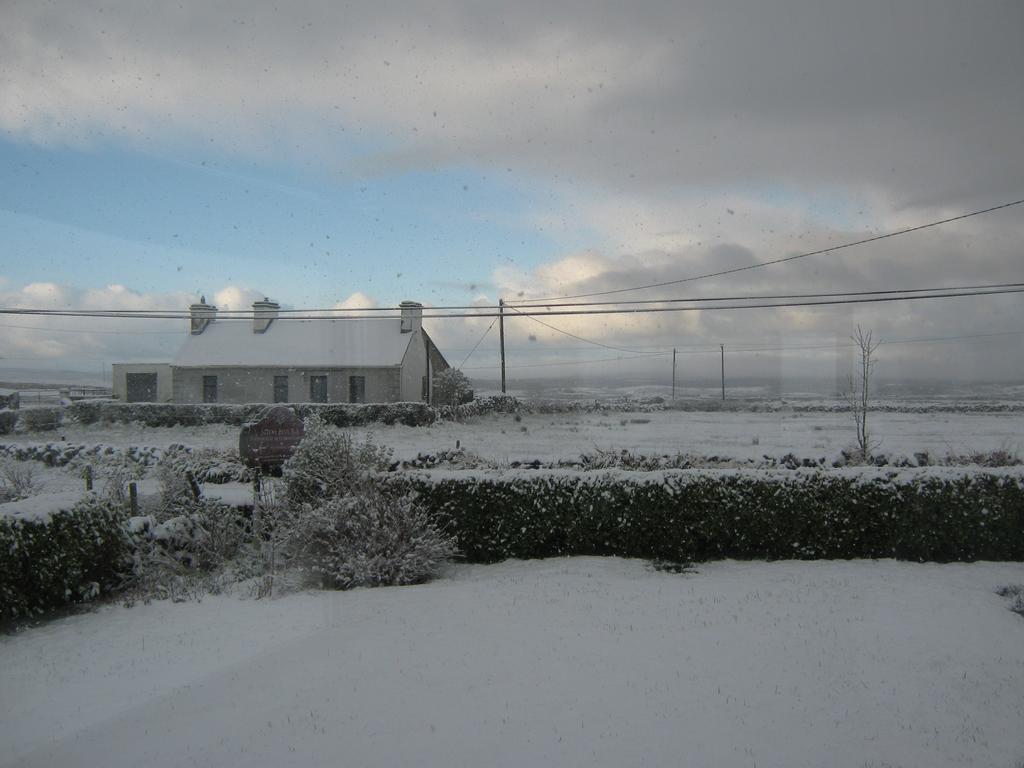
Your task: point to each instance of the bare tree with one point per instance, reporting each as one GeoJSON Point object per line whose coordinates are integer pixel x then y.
{"type": "Point", "coordinates": [858, 392]}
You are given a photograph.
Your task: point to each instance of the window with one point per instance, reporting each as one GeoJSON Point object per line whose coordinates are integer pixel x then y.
{"type": "Point", "coordinates": [141, 387]}
{"type": "Point", "coordinates": [318, 389]}
{"type": "Point", "coordinates": [209, 389]}
{"type": "Point", "coordinates": [280, 389]}
{"type": "Point", "coordinates": [357, 389]}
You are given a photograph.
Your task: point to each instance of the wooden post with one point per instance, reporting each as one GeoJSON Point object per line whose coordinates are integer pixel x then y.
{"type": "Point", "coordinates": [196, 491]}
{"type": "Point", "coordinates": [133, 498]}
{"type": "Point", "coordinates": [501, 337]}
{"type": "Point", "coordinates": [723, 370]}
{"type": "Point", "coordinates": [673, 374]}
{"type": "Point", "coordinates": [88, 477]}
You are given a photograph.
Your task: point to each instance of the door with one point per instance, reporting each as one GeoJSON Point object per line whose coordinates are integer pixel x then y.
{"type": "Point", "coordinates": [141, 387]}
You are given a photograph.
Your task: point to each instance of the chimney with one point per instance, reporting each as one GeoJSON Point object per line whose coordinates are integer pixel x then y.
{"type": "Point", "coordinates": [412, 316]}
{"type": "Point", "coordinates": [201, 315]}
{"type": "Point", "coordinates": [263, 314]}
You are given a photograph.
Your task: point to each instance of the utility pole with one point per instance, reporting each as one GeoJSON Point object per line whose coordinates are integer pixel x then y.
{"type": "Point", "coordinates": [501, 336]}
{"type": "Point", "coordinates": [722, 346]}
{"type": "Point", "coordinates": [673, 374]}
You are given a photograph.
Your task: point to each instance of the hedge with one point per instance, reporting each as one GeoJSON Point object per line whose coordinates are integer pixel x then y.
{"type": "Point", "coordinates": [696, 515]}
{"type": "Point", "coordinates": [193, 414]}
{"type": "Point", "coordinates": [72, 556]}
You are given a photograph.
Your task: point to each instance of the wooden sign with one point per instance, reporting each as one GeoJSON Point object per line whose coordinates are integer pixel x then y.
{"type": "Point", "coordinates": [269, 441]}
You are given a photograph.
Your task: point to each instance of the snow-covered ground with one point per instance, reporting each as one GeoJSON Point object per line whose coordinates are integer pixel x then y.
{"type": "Point", "coordinates": [737, 435]}
{"type": "Point", "coordinates": [569, 662]}
{"type": "Point", "coordinates": [565, 436]}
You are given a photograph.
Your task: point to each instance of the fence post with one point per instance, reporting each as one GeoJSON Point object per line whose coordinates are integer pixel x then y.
{"type": "Point", "coordinates": [88, 477]}
{"type": "Point", "coordinates": [133, 498]}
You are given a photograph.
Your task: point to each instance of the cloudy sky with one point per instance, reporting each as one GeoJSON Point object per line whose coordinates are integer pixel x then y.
{"type": "Point", "coordinates": [324, 154]}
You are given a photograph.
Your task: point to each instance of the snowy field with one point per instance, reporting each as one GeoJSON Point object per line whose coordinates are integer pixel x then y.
{"type": "Point", "coordinates": [550, 437]}
{"type": "Point", "coordinates": [568, 662]}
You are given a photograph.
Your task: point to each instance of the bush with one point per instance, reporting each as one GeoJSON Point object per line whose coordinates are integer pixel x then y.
{"type": "Point", "coordinates": [8, 420]}
{"type": "Point", "coordinates": [327, 464]}
{"type": "Point", "coordinates": [40, 419]}
{"type": "Point", "coordinates": [694, 515]}
{"type": "Point", "coordinates": [17, 480]}
{"type": "Point", "coordinates": [452, 387]}
{"type": "Point", "coordinates": [72, 557]}
{"type": "Point", "coordinates": [205, 465]}
{"type": "Point", "coordinates": [371, 540]}
{"type": "Point", "coordinates": [188, 545]}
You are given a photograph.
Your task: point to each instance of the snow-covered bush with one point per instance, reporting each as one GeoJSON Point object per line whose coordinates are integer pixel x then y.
{"type": "Point", "coordinates": [8, 420]}
{"type": "Point", "coordinates": [452, 387]}
{"type": "Point", "coordinates": [17, 480]}
{"type": "Point", "coordinates": [328, 463]}
{"type": "Point", "coordinates": [188, 547]}
{"type": "Point", "coordinates": [39, 419]}
{"type": "Point", "coordinates": [1015, 594]}
{"type": "Point", "coordinates": [72, 556]}
{"type": "Point", "coordinates": [370, 539]}
{"type": "Point", "coordinates": [205, 465]}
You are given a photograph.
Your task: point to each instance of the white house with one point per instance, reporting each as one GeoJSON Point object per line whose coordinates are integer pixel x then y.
{"type": "Point", "coordinates": [274, 358]}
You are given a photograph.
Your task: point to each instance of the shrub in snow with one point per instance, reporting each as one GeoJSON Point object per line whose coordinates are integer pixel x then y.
{"type": "Point", "coordinates": [1014, 593]}
{"type": "Point", "coordinates": [452, 387]}
{"type": "Point", "coordinates": [17, 480]}
{"type": "Point", "coordinates": [72, 556]}
{"type": "Point", "coordinates": [8, 420]}
{"type": "Point", "coordinates": [328, 463]}
{"type": "Point", "coordinates": [39, 419]}
{"type": "Point", "coordinates": [204, 465]}
{"type": "Point", "coordinates": [183, 550]}
{"type": "Point", "coordinates": [369, 540]}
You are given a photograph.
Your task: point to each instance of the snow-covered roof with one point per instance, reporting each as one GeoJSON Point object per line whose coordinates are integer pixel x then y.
{"type": "Point", "coordinates": [320, 343]}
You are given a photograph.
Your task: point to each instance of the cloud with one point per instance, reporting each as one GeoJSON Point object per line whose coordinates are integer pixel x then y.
{"type": "Point", "coordinates": [682, 137]}
{"type": "Point", "coordinates": [235, 298]}
{"type": "Point", "coordinates": [920, 99]}
{"type": "Point", "coordinates": [356, 300]}
{"type": "Point", "coordinates": [83, 343]}
{"type": "Point", "coordinates": [965, 253]}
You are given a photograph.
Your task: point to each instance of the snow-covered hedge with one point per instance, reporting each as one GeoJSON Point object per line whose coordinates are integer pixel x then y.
{"type": "Point", "coordinates": [207, 465]}
{"type": "Point", "coordinates": [192, 414]}
{"type": "Point", "coordinates": [685, 515]}
{"type": "Point", "coordinates": [71, 556]}
{"type": "Point", "coordinates": [63, 454]}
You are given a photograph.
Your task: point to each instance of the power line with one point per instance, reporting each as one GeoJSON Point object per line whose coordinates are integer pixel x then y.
{"type": "Point", "coordinates": [642, 302]}
{"type": "Point", "coordinates": [478, 342]}
{"type": "Point", "coordinates": [569, 362]}
{"type": "Point", "coordinates": [734, 270]}
{"type": "Point", "coordinates": [573, 335]}
{"type": "Point", "coordinates": [870, 299]}
{"type": "Point", "coordinates": [309, 314]}
{"type": "Point", "coordinates": [86, 330]}
{"type": "Point", "coordinates": [715, 351]}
